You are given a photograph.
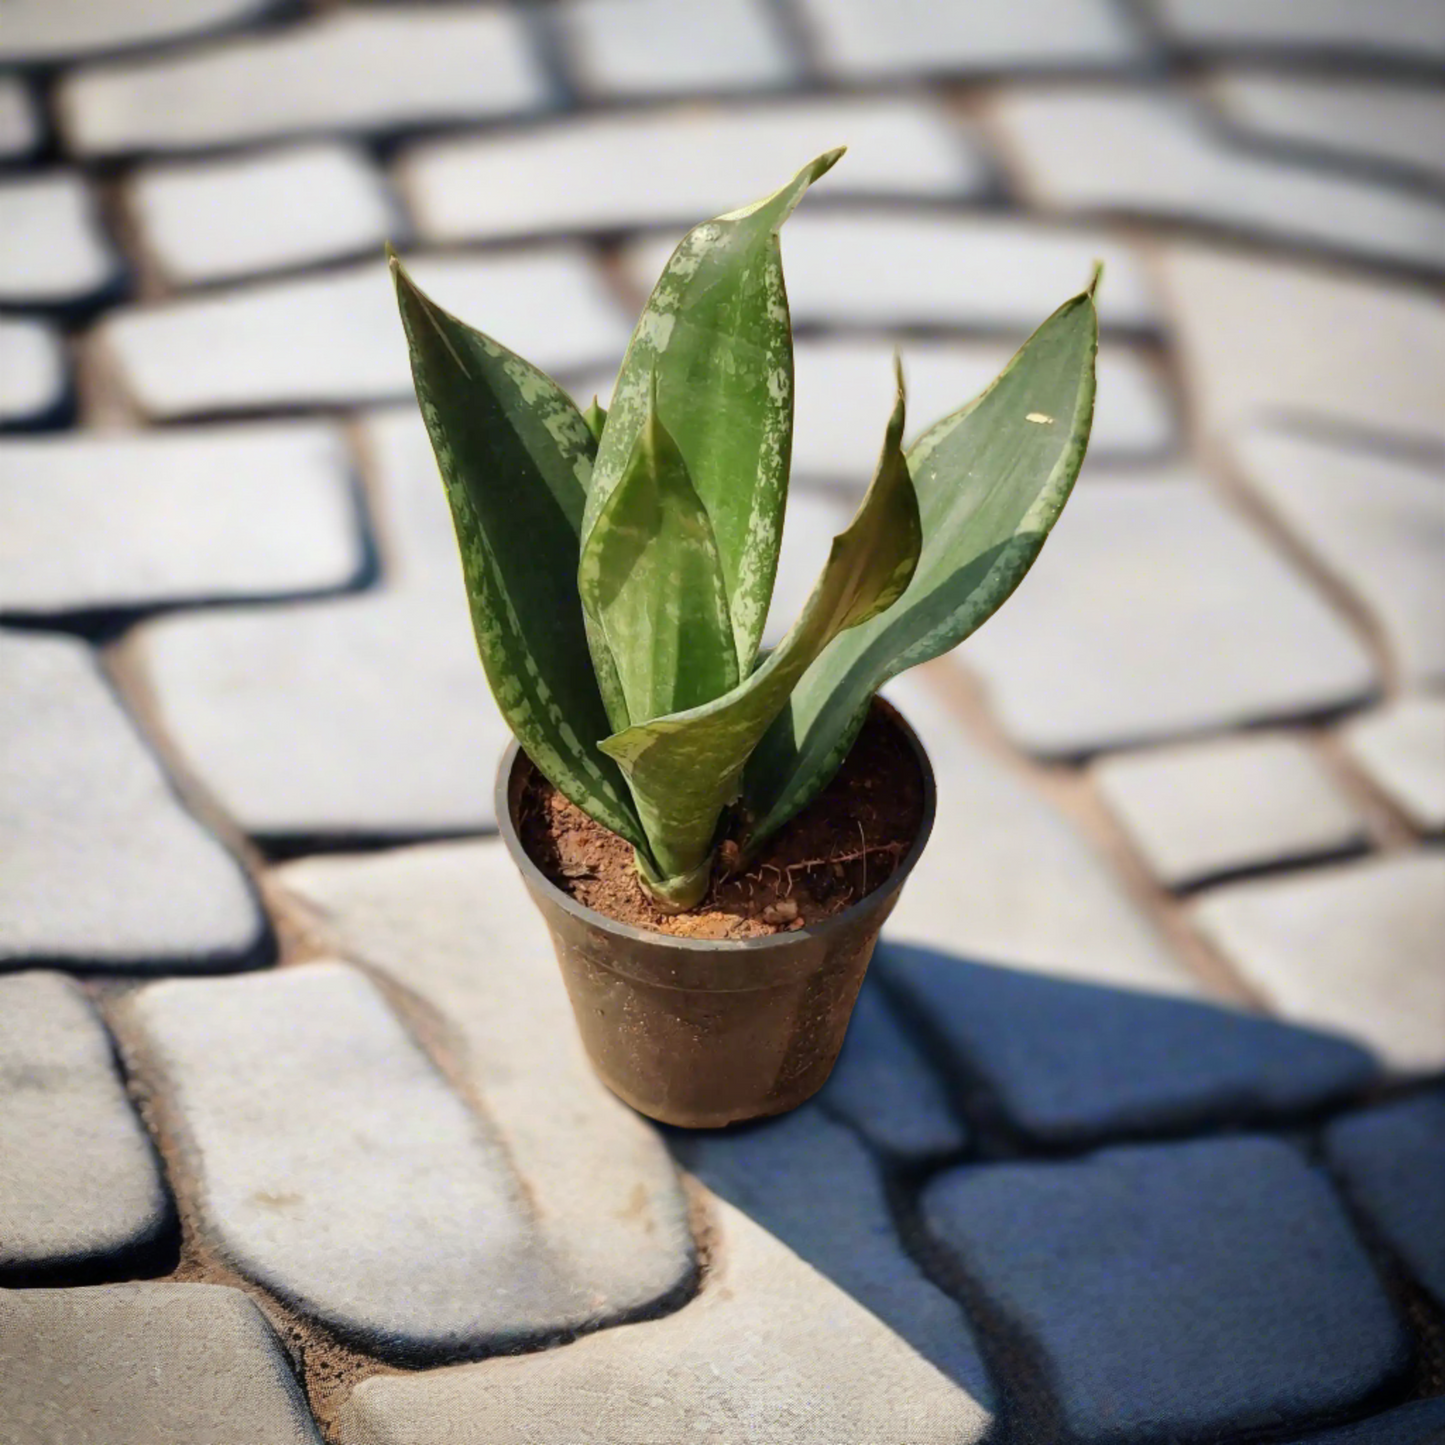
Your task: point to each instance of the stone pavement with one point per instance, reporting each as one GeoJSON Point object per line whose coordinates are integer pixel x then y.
{"type": "Point", "coordinates": [1139, 1133]}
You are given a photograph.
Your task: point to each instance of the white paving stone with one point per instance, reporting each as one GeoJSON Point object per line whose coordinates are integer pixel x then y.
{"type": "Point", "coordinates": [1150, 154]}
{"type": "Point", "coordinates": [1152, 611]}
{"type": "Point", "coordinates": [220, 220]}
{"type": "Point", "coordinates": [1199, 810]}
{"type": "Point", "coordinates": [452, 924]}
{"type": "Point", "coordinates": [859, 39]}
{"type": "Point", "coordinates": [78, 1178]}
{"type": "Point", "coordinates": [1368, 120]}
{"type": "Point", "coordinates": [1412, 30]}
{"type": "Point", "coordinates": [51, 30]}
{"type": "Point", "coordinates": [103, 868]}
{"type": "Point", "coordinates": [20, 125]}
{"type": "Point", "coordinates": [1356, 948]}
{"type": "Point", "coordinates": [931, 270]}
{"type": "Point", "coordinates": [1375, 522]}
{"type": "Point", "coordinates": [1268, 337]}
{"type": "Point", "coordinates": [105, 520]}
{"type": "Point", "coordinates": [373, 68]}
{"type": "Point", "coordinates": [697, 162]}
{"type": "Point", "coordinates": [33, 375]}
{"type": "Point", "coordinates": [643, 47]}
{"type": "Point", "coordinates": [769, 1351]}
{"type": "Point", "coordinates": [1401, 749]}
{"type": "Point", "coordinates": [314, 341]}
{"type": "Point", "coordinates": [52, 250]}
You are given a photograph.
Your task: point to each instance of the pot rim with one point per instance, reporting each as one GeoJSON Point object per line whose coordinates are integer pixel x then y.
{"type": "Point", "coordinates": [591, 917]}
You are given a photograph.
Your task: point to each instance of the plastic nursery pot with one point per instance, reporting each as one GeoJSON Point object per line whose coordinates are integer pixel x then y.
{"type": "Point", "coordinates": [704, 1032]}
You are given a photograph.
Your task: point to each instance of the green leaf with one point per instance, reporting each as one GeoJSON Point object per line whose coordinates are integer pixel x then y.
{"type": "Point", "coordinates": [991, 481]}
{"type": "Point", "coordinates": [516, 459]}
{"type": "Point", "coordinates": [596, 418]}
{"type": "Point", "coordinates": [651, 580]}
{"type": "Point", "coordinates": [716, 335]}
{"type": "Point", "coordinates": [684, 770]}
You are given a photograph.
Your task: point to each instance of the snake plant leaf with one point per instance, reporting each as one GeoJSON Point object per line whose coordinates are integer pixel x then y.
{"type": "Point", "coordinates": [717, 337]}
{"type": "Point", "coordinates": [596, 418]}
{"type": "Point", "coordinates": [684, 769]}
{"type": "Point", "coordinates": [651, 580]}
{"type": "Point", "coordinates": [991, 481]}
{"type": "Point", "coordinates": [515, 458]}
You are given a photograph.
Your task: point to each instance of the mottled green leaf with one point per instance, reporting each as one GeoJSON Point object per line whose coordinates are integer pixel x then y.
{"type": "Point", "coordinates": [651, 580]}
{"type": "Point", "coordinates": [684, 769]}
{"type": "Point", "coordinates": [716, 336]}
{"type": "Point", "coordinates": [516, 459]}
{"type": "Point", "coordinates": [991, 481]}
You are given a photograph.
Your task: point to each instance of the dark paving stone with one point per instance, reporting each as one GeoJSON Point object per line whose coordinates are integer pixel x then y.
{"type": "Point", "coordinates": [808, 1181]}
{"type": "Point", "coordinates": [1420, 1423]}
{"type": "Point", "coordinates": [1067, 1063]}
{"type": "Point", "coordinates": [1173, 1291]}
{"type": "Point", "coordinates": [1391, 1160]}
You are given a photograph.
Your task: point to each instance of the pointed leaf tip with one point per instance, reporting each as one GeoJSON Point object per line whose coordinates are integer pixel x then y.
{"type": "Point", "coordinates": [1095, 279]}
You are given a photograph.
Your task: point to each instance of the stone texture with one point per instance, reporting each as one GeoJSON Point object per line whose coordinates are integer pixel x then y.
{"type": "Point", "coordinates": [1202, 810]}
{"type": "Point", "coordinates": [79, 1187]}
{"type": "Point", "coordinates": [134, 520]}
{"type": "Point", "coordinates": [1271, 338]}
{"type": "Point", "coordinates": [1147, 154]}
{"type": "Point", "coordinates": [1370, 121]}
{"type": "Point", "coordinates": [644, 47]}
{"type": "Point", "coordinates": [375, 69]}
{"type": "Point", "coordinates": [769, 1351]}
{"type": "Point", "coordinates": [1129, 627]}
{"type": "Point", "coordinates": [103, 868]}
{"type": "Point", "coordinates": [21, 129]}
{"type": "Point", "coordinates": [146, 1364]}
{"type": "Point", "coordinates": [34, 378]}
{"type": "Point", "coordinates": [45, 31]}
{"type": "Point", "coordinates": [859, 40]}
{"type": "Point", "coordinates": [315, 341]}
{"type": "Point", "coordinates": [889, 268]}
{"type": "Point", "coordinates": [52, 249]}
{"type": "Point", "coordinates": [700, 161]}
{"type": "Point", "coordinates": [1418, 1423]}
{"type": "Point", "coordinates": [218, 220]}
{"type": "Point", "coordinates": [1354, 948]}
{"type": "Point", "coordinates": [1054, 1062]}
{"type": "Point", "coordinates": [1376, 523]}
{"type": "Point", "coordinates": [1387, 29]}
{"type": "Point", "coordinates": [1230, 1258]}
{"type": "Point", "coordinates": [1401, 749]}
{"type": "Point", "coordinates": [452, 925]}
{"type": "Point", "coordinates": [812, 1185]}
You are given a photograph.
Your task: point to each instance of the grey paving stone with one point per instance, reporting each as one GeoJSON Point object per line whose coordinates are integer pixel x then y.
{"type": "Point", "coordinates": [1200, 810]}
{"type": "Point", "coordinates": [103, 868]}
{"type": "Point", "coordinates": [1354, 948]}
{"type": "Point", "coordinates": [698, 161]}
{"type": "Point", "coordinates": [646, 47]}
{"type": "Point", "coordinates": [1155, 611]}
{"type": "Point", "coordinates": [314, 341]}
{"type": "Point", "coordinates": [34, 378]}
{"type": "Point", "coordinates": [891, 269]}
{"type": "Point", "coordinates": [223, 219]}
{"type": "Point", "coordinates": [52, 249]}
{"type": "Point", "coordinates": [21, 129]}
{"type": "Point", "coordinates": [769, 1351]}
{"type": "Point", "coordinates": [1231, 1259]}
{"type": "Point", "coordinates": [146, 1364]}
{"type": "Point", "coordinates": [45, 31]}
{"type": "Point", "coordinates": [1148, 153]}
{"type": "Point", "coordinates": [79, 1187]}
{"type": "Point", "coordinates": [119, 520]}
{"type": "Point", "coordinates": [1376, 523]}
{"type": "Point", "coordinates": [1401, 749]}
{"type": "Point", "coordinates": [452, 924]}
{"type": "Point", "coordinates": [374, 68]}
{"type": "Point", "coordinates": [1267, 338]}
{"type": "Point", "coordinates": [859, 40]}
{"type": "Point", "coordinates": [1355, 117]}
{"type": "Point", "coordinates": [1390, 29]}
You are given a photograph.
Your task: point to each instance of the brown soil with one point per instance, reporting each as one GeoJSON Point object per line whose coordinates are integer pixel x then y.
{"type": "Point", "coordinates": [838, 849]}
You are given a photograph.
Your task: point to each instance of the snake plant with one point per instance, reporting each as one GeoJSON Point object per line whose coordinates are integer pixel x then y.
{"type": "Point", "coordinates": [620, 565]}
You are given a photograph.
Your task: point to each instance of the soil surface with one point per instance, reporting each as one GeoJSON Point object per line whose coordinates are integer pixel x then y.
{"type": "Point", "coordinates": [837, 850]}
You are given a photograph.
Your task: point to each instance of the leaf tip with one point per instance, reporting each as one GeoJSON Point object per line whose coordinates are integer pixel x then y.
{"type": "Point", "coordinates": [1094, 280]}
{"type": "Point", "coordinates": [827, 161]}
